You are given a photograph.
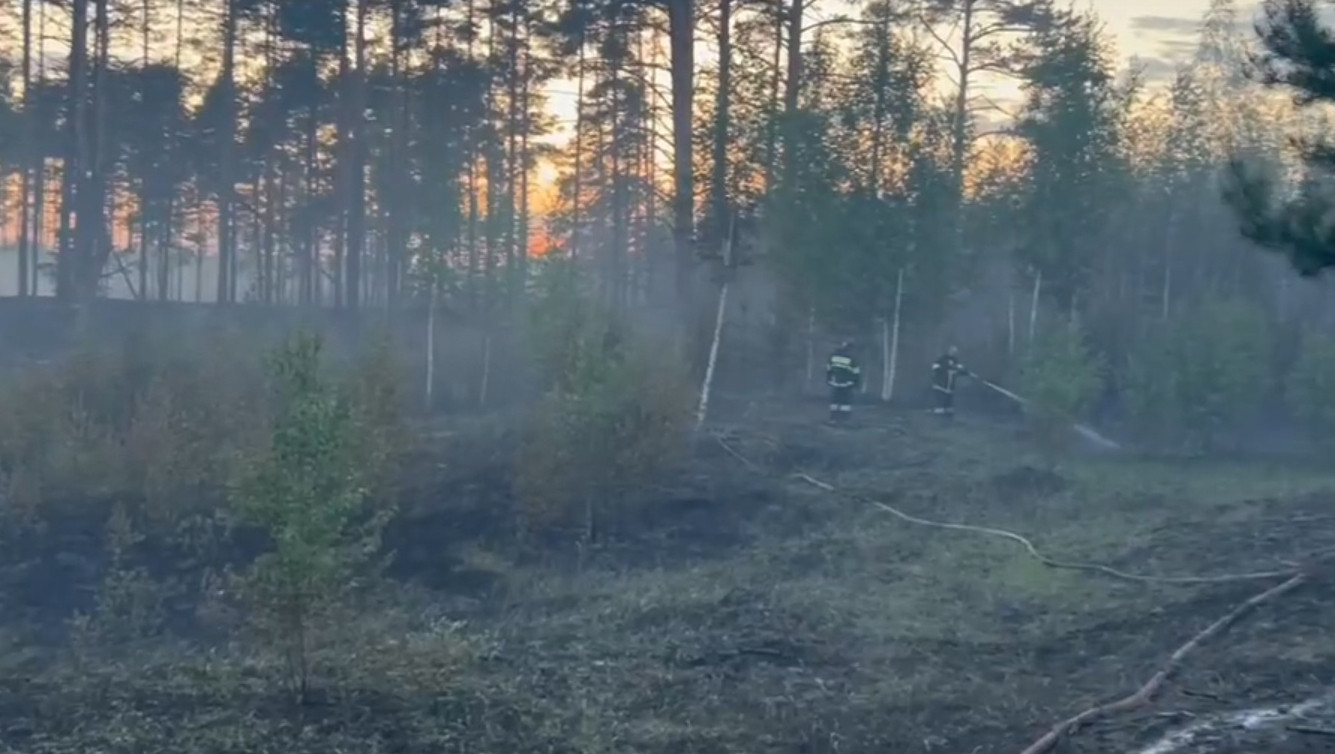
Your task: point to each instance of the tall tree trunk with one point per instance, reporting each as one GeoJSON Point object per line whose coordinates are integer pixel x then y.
{"type": "Point", "coordinates": [273, 276]}
{"type": "Point", "coordinates": [471, 144]}
{"type": "Point", "coordinates": [388, 205]}
{"type": "Point", "coordinates": [29, 150]}
{"type": "Point", "coordinates": [92, 237]}
{"type": "Point", "coordinates": [146, 8]}
{"type": "Point", "coordinates": [200, 251]}
{"type": "Point", "coordinates": [343, 168]}
{"type": "Point", "coordinates": [577, 182]}
{"type": "Point", "coordinates": [169, 231]}
{"type": "Point", "coordinates": [310, 261]}
{"type": "Point", "coordinates": [269, 274]}
{"type": "Point", "coordinates": [959, 152]}
{"type": "Point", "coordinates": [792, 87]}
{"type": "Point", "coordinates": [75, 158]}
{"type": "Point", "coordinates": [289, 282]}
{"type": "Point", "coordinates": [959, 146]}
{"type": "Point", "coordinates": [41, 176]}
{"type": "Point", "coordinates": [723, 98]}
{"type": "Point", "coordinates": [772, 122]}
{"type": "Point", "coordinates": [525, 155]}
{"type": "Point", "coordinates": [144, 246]}
{"type": "Point", "coordinates": [255, 239]}
{"type": "Point", "coordinates": [681, 34]}
{"type": "Point", "coordinates": [350, 228]}
{"type": "Point", "coordinates": [878, 111]}
{"type": "Point", "coordinates": [399, 215]}
{"type": "Point", "coordinates": [615, 264]}
{"type": "Point", "coordinates": [640, 219]}
{"type": "Point", "coordinates": [512, 159]}
{"type": "Point", "coordinates": [492, 172]}
{"type": "Point", "coordinates": [356, 247]}
{"type": "Point", "coordinates": [227, 148]}
{"type": "Point", "coordinates": [653, 257]}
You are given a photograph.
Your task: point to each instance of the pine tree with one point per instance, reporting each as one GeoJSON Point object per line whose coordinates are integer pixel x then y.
{"type": "Point", "coordinates": [1298, 55]}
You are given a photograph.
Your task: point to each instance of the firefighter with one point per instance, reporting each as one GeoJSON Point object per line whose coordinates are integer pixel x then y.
{"type": "Point", "coordinates": [945, 371]}
{"type": "Point", "coordinates": [843, 375]}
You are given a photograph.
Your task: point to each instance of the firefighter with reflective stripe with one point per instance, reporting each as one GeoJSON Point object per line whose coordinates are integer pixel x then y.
{"type": "Point", "coordinates": [945, 371]}
{"type": "Point", "coordinates": [843, 375]}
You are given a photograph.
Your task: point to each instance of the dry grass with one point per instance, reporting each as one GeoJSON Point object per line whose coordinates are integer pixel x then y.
{"type": "Point", "coordinates": [889, 632]}
{"type": "Point", "coordinates": [835, 628]}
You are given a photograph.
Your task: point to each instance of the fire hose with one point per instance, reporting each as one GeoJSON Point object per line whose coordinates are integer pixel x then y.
{"type": "Point", "coordinates": [1084, 431]}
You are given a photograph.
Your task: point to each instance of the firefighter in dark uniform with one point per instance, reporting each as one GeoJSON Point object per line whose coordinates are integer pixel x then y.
{"type": "Point", "coordinates": [843, 375]}
{"type": "Point", "coordinates": [945, 371]}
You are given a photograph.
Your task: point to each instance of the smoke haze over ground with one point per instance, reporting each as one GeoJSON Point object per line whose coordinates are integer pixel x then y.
{"type": "Point", "coordinates": [321, 431]}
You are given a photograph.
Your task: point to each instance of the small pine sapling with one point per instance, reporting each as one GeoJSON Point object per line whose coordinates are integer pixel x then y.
{"type": "Point", "coordinates": [1061, 377]}
{"type": "Point", "coordinates": [1202, 376]}
{"type": "Point", "coordinates": [613, 414]}
{"type": "Point", "coordinates": [1310, 386]}
{"type": "Point", "coordinates": [306, 491]}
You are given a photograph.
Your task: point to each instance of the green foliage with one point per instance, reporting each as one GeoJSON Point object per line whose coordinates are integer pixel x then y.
{"type": "Point", "coordinates": [162, 418]}
{"type": "Point", "coordinates": [377, 389]}
{"type": "Point", "coordinates": [1203, 375]}
{"type": "Point", "coordinates": [1060, 377]}
{"type": "Point", "coordinates": [614, 414]}
{"type": "Point", "coordinates": [156, 417]}
{"type": "Point", "coordinates": [130, 605]}
{"type": "Point", "coordinates": [1073, 123]}
{"type": "Point", "coordinates": [1310, 387]}
{"type": "Point", "coordinates": [567, 327]}
{"type": "Point", "coordinates": [1297, 50]}
{"type": "Point", "coordinates": [306, 490]}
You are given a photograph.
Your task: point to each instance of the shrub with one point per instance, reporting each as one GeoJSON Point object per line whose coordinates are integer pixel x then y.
{"type": "Point", "coordinates": [200, 408]}
{"type": "Point", "coordinates": [158, 420]}
{"type": "Point", "coordinates": [306, 491]}
{"type": "Point", "coordinates": [377, 388]}
{"type": "Point", "coordinates": [614, 415]}
{"type": "Point", "coordinates": [1206, 374]}
{"type": "Point", "coordinates": [1060, 378]}
{"type": "Point", "coordinates": [1151, 386]}
{"type": "Point", "coordinates": [1310, 387]}
{"type": "Point", "coordinates": [130, 605]}
{"type": "Point", "coordinates": [59, 428]}
{"type": "Point", "coordinates": [566, 328]}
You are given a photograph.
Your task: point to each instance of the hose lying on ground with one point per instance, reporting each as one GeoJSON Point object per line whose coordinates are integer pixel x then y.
{"type": "Point", "coordinates": [1053, 562]}
{"type": "Point", "coordinates": [1145, 694]}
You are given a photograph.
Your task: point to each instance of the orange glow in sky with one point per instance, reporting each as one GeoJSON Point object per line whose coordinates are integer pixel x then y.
{"type": "Point", "coordinates": [1158, 31]}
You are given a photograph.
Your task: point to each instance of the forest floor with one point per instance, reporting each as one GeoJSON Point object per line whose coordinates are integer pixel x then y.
{"type": "Point", "coordinates": [757, 612]}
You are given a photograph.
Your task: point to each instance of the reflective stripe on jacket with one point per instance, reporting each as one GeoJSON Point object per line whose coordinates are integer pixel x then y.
{"type": "Point", "coordinates": [842, 371]}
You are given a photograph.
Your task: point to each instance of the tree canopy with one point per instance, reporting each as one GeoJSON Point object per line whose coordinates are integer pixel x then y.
{"type": "Point", "coordinates": [1297, 54]}
{"type": "Point", "coordinates": [365, 153]}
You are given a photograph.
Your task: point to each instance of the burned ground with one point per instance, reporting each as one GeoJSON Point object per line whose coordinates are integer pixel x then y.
{"type": "Point", "coordinates": [747, 610]}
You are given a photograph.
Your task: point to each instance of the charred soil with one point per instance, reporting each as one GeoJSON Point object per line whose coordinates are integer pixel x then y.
{"type": "Point", "coordinates": [746, 610]}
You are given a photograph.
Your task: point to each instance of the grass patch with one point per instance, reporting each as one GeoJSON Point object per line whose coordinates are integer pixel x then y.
{"type": "Point", "coordinates": [832, 626]}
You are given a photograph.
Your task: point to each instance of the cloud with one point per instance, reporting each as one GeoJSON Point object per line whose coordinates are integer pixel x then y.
{"type": "Point", "coordinates": [1190, 26]}
{"type": "Point", "coordinates": [1172, 25]}
{"type": "Point", "coordinates": [1177, 49]}
{"type": "Point", "coordinates": [1175, 39]}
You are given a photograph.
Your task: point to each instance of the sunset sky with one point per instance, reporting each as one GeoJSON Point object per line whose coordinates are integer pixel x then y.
{"type": "Point", "coordinates": [1160, 33]}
